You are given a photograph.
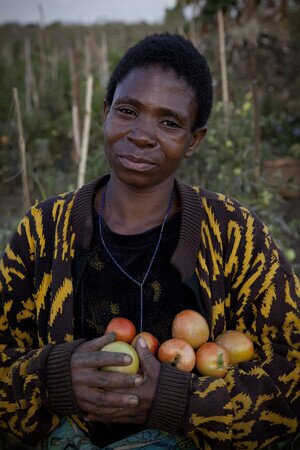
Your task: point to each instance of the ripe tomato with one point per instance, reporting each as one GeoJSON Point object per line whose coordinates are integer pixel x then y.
{"type": "Point", "coordinates": [150, 340]}
{"type": "Point", "coordinates": [212, 360]}
{"type": "Point", "coordinates": [190, 326]}
{"type": "Point", "coordinates": [178, 353]}
{"type": "Point", "coordinates": [123, 328]}
{"type": "Point", "coordinates": [122, 347]}
{"type": "Point", "coordinates": [239, 345]}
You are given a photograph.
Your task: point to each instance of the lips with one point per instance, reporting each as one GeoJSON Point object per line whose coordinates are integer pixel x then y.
{"type": "Point", "coordinates": [136, 162]}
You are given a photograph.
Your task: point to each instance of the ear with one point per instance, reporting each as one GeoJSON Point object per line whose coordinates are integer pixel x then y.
{"type": "Point", "coordinates": [105, 110]}
{"type": "Point", "coordinates": [197, 136]}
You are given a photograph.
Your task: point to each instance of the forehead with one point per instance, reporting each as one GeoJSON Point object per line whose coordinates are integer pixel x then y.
{"type": "Point", "coordinates": [156, 84]}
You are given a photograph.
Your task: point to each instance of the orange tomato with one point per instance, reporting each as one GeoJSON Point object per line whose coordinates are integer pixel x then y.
{"type": "Point", "coordinates": [178, 353]}
{"type": "Point", "coordinates": [123, 328]}
{"type": "Point", "coordinates": [150, 340]}
{"type": "Point", "coordinates": [190, 326]}
{"type": "Point", "coordinates": [239, 345]}
{"type": "Point", "coordinates": [212, 360]}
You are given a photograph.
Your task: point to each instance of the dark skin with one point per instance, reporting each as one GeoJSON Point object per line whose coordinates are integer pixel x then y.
{"type": "Point", "coordinates": [112, 396]}
{"type": "Point", "coordinates": [148, 130]}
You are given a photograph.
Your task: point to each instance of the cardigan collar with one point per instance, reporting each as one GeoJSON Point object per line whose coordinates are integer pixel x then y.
{"type": "Point", "coordinates": [185, 256]}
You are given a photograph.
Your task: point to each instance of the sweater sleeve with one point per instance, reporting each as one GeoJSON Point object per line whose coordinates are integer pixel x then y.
{"type": "Point", "coordinates": [26, 410]}
{"type": "Point", "coordinates": [258, 402]}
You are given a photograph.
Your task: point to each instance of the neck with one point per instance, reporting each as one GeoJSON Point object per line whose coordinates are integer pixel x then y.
{"type": "Point", "coordinates": [130, 211]}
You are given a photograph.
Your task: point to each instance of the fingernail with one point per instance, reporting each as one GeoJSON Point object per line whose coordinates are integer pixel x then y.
{"type": "Point", "coordinates": [143, 343]}
{"type": "Point", "coordinates": [112, 335]}
{"type": "Point", "coordinates": [133, 401]}
{"type": "Point", "coordinates": [138, 381]}
{"type": "Point", "coordinates": [127, 359]}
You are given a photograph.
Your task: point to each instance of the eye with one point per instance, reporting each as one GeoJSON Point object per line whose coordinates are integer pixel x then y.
{"type": "Point", "coordinates": [170, 123]}
{"type": "Point", "coordinates": [126, 111]}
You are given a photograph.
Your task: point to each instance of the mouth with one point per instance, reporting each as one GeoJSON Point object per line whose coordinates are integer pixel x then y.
{"type": "Point", "coordinates": [136, 162]}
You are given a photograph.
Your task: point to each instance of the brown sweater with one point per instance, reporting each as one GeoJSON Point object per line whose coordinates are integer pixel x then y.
{"type": "Point", "coordinates": [241, 281]}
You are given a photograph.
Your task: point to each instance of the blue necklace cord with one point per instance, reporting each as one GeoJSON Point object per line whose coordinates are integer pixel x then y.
{"type": "Point", "coordinates": [141, 285]}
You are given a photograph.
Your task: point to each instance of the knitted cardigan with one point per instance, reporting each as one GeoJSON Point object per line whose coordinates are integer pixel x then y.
{"type": "Point", "coordinates": [240, 279]}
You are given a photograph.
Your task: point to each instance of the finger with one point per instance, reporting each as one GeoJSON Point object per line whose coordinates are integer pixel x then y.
{"type": "Point", "coordinates": [104, 413]}
{"type": "Point", "coordinates": [97, 343]}
{"type": "Point", "coordinates": [111, 380]}
{"type": "Point", "coordinates": [100, 359]}
{"type": "Point", "coordinates": [95, 401]}
{"type": "Point", "coordinates": [147, 360]}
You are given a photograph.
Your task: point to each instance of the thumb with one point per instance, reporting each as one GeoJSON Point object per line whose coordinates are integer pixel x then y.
{"type": "Point", "coordinates": [146, 357]}
{"type": "Point", "coordinates": [96, 344]}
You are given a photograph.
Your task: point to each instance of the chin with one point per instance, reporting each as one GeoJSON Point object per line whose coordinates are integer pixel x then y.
{"type": "Point", "coordinates": [138, 180]}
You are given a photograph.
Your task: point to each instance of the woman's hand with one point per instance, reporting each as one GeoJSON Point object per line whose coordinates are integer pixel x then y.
{"type": "Point", "coordinates": [137, 413]}
{"type": "Point", "coordinates": [102, 393]}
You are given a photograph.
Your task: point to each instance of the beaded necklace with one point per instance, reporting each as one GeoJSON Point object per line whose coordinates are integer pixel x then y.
{"type": "Point", "coordinates": [140, 285]}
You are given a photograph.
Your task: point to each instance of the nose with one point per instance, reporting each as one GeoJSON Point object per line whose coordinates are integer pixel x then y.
{"type": "Point", "coordinates": [142, 135]}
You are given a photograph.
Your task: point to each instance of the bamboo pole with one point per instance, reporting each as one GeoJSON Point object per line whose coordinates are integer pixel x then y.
{"type": "Point", "coordinates": [104, 66]}
{"type": "Point", "coordinates": [42, 48]}
{"type": "Point", "coordinates": [256, 114]}
{"type": "Point", "coordinates": [75, 106]}
{"type": "Point", "coordinates": [86, 131]}
{"type": "Point", "coordinates": [87, 56]}
{"type": "Point", "coordinates": [35, 93]}
{"type": "Point", "coordinates": [76, 130]}
{"type": "Point", "coordinates": [28, 76]}
{"type": "Point", "coordinates": [22, 147]}
{"type": "Point", "coordinates": [31, 92]}
{"type": "Point", "coordinates": [54, 64]}
{"type": "Point", "coordinates": [257, 132]}
{"type": "Point", "coordinates": [225, 95]}
{"type": "Point", "coordinates": [192, 28]}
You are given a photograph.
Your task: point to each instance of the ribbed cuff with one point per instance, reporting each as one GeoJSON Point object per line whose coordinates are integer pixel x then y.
{"type": "Point", "coordinates": [170, 401]}
{"type": "Point", "coordinates": [58, 379]}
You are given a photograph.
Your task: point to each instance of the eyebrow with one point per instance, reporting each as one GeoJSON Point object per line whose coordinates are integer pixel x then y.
{"type": "Point", "coordinates": [162, 110]}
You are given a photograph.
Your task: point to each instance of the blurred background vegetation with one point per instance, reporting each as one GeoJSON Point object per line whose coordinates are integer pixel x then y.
{"type": "Point", "coordinates": [252, 149]}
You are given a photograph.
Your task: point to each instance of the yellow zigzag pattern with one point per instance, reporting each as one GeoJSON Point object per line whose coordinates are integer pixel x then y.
{"type": "Point", "coordinates": [38, 220]}
{"type": "Point", "coordinates": [57, 305]}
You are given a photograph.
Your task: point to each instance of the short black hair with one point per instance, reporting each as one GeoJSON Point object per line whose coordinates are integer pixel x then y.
{"type": "Point", "coordinates": [170, 51]}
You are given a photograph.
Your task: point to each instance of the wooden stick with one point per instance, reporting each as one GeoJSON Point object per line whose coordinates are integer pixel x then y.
{"type": "Point", "coordinates": [28, 76]}
{"type": "Point", "coordinates": [76, 130]}
{"type": "Point", "coordinates": [31, 92]}
{"type": "Point", "coordinates": [54, 64]}
{"type": "Point", "coordinates": [104, 66]}
{"type": "Point", "coordinates": [86, 131]}
{"type": "Point", "coordinates": [42, 48]}
{"type": "Point", "coordinates": [35, 93]}
{"type": "Point", "coordinates": [22, 146]}
{"type": "Point", "coordinates": [75, 107]}
{"type": "Point", "coordinates": [257, 132]}
{"type": "Point", "coordinates": [225, 94]}
{"type": "Point", "coordinates": [87, 56]}
{"type": "Point", "coordinates": [256, 113]}
{"type": "Point", "coordinates": [192, 28]}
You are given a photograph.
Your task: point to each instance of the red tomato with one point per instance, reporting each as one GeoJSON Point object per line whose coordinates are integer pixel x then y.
{"type": "Point", "coordinates": [150, 340]}
{"type": "Point", "coordinates": [212, 360]}
{"type": "Point", "coordinates": [239, 345]}
{"type": "Point", "coordinates": [178, 353]}
{"type": "Point", "coordinates": [190, 326]}
{"type": "Point", "coordinates": [123, 328]}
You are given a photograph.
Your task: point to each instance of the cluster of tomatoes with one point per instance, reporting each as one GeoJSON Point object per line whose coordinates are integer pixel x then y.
{"type": "Point", "coordinates": [187, 349]}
